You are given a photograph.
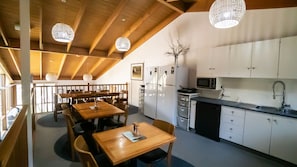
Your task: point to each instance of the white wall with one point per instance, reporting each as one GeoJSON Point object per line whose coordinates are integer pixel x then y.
{"type": "Point", "coordinates": [195, 31]}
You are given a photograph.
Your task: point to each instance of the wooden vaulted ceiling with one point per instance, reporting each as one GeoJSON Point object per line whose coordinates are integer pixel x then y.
{"type": "Point", "coordinates": [97, 24]}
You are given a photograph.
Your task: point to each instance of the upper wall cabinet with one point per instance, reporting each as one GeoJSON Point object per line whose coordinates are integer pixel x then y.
{"type": "Point", "coordinates": [265, 59]}
{"type": "Point", "coordinates": [288, 58]}
{"type": "Point", "coordinates": [256, 60]}
{"type": "Point", "coordinates": [240, 60]}
{"type": "Point", "coordinates": [214, 63]}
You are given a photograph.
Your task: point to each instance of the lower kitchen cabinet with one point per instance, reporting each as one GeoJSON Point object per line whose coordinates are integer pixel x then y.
{"type": "Point", "coordinates": [232, 124]}
{"type": "Point", "coordinates": [257, 131]}
{"type": "Point", "coordinates": [271, 134]}
{"type": "Point", "coordinates": [284, 138]}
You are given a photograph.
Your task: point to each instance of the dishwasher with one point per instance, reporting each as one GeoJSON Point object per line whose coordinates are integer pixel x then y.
{"type": "Point", "coordinates": [208, 120]}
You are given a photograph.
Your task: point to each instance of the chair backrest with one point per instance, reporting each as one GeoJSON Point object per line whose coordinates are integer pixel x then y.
{"type": "Point", "coordinates": [124, 107]}
{"type": "Point", "coordinates": [167, 127]}
{"type": "Point", "coordinates": [85, 156]}
{"type": "Point", "coordinates": [70, 132]}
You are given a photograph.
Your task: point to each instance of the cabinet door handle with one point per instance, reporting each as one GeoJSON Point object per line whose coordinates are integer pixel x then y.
{"type": "Point", "coordinates": [268, 119]}
{"type": "Point", "coordinates": [253, 68]}
{"type": "Point", "coordinates": [275, 120]}
{"type": "Point", "coordinates": [232, 112]}
{"type": "Point", "coordinates": [231, 120]}
{"type": "Point", "coordinates": [230, 137]}
{"type": "Point", "coordinates": [231, 129]}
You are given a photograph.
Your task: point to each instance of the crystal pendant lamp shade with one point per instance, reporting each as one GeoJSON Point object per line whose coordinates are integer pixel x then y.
{"type": "Point", "coordinates": [62, 33]}
{"type": "Point", "coordinates": [123, 44]}
{"type": "Point", "coordinates": [50, 77]}
{"type": "Point", "coordinates": [226, 13]}
{"type": "Point", "coordinates": [87, 77]}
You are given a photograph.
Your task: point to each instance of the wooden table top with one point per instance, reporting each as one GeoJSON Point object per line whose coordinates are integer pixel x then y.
{"type": "Point", "coordinates": [120, 149]}
{"type": "Point", "coordinates": [87, 94]}
{"type": "Point", "coordinates": [104, 109]}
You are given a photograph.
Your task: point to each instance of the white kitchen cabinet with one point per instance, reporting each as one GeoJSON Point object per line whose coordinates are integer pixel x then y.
{"type": "Point", "coordinates": [255, 59]}
{"type": "Point", "coordinates": [264, 62]}
{"type": "Point", "coordinates": [214, 63]}
{"type": "Point", "coordinates": [257, 131]}
{"type": "Point", "coordinates": [284, 138]}
{"type": "Point", "coordinates": [288, 58]}
{"type": "Point", "coordinates": [193, 114]}
{"type": "Point", "coordinates": [240, 60]}
{"type": "Point", "coordinates": [271, 134]}
{"type": "Point", "coordinates": [232, 124]}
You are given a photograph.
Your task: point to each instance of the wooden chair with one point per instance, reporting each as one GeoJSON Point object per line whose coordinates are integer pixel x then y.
{"type": "Point", "coordinates": [159, 154]}
{"type": "Point", "coordinates": [116, 121]}
{"type": "Point", "coordinates": [86, 157]}
{"type": "Point", "coordinates": [59, 108]}
{"type": "Point", "coordinates": [71, 128]}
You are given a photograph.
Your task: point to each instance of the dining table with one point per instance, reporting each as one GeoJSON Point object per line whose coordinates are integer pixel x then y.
{"type": "Point", "coordinates": [97, 110]}
{"type": "Point", "coordinates": [120, 144]}
{"type": "Point", "coordinates": [88, 94]}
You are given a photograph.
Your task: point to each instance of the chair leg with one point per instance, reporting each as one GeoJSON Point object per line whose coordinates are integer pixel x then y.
{"type": "Point", "coordinates": [55, 115]}
{"type": "Point", "coordinates": [72, 153]}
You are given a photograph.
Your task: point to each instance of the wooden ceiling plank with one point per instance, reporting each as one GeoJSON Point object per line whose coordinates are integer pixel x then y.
{"type": "Point", "coordinates": [152, 32]}
{"type": "Point", "coordinates": [107, 24]}
{"type": "Point", "coordinates": [106, 69]}
{"type": "Point", "coordinates": [61, 65]}
{"type": "Point", "coordinates": [40, 65]}
{"type": "Point", "coordinates": [13, 57]}
{"type": "Point", "coordinates": [137, 24]}
{"type": "Point", "coordinates": [96, 65]}
{"type": "Point", "coordinates": [169, 5]}
{"type": "Point", "coordinates": [78, 19]}
{"type": "Point", "coordinates": [79, 67]}
{"type": "Point", "coordinates": [41, 30]}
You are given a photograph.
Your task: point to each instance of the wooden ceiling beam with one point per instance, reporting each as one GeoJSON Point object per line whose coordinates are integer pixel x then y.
{"type": "Point", "coordinates": [16, 64]}
{"type": "Point", "coordinates": [3, 36]}
{"type": "Point", "coordinates": [79, 67]}
{"type": "Point", "coordinates": [107, 24]}
{"type": "Point", "coordinates": [4, 68]}
{"type": "Point", "coordinates": [152, 32]}
{"type": "Point", "coordinates": [78, 19]}
{"type": "Point", "coordinates": [137, 24]}
{"type": "Point", "coordinates": [54, 48]}
{"type": "Point", "coordinates": [178, 8]}
{"type": "Point", "coordinates": [61, 65]}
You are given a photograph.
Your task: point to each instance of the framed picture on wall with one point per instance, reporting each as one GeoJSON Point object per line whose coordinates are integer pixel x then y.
{"type": "Point", "coordinates": [137, 71]}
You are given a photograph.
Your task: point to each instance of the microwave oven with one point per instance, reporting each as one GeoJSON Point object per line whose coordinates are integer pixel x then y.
{"type": "Point", "coordinates": [209, 83]}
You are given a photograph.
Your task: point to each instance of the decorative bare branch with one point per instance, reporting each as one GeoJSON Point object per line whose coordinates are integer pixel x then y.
{"type": "Point", "coordinates": [177, 50]}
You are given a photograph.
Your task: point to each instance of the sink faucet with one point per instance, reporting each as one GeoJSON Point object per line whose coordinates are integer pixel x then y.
{"type": "Point", "coordinates": [283, 95]}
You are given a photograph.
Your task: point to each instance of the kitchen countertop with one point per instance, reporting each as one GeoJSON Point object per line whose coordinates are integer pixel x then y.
{"type": "Point", "coordinates": [247, 106]}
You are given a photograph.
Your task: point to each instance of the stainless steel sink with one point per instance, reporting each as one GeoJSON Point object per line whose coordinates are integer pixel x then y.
{"type": "Point", "coordinates": [290, 111]}
{"type": "Point", "coordinates": [268, 108]}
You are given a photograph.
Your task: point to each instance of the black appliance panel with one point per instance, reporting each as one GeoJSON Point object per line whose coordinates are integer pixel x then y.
{"type": "Point", "coordinates": [208, 120]}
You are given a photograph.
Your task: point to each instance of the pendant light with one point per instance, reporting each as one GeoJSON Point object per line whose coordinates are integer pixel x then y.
{"type": "Point", "coordinates": [226, 13]}
{"type": "Point", "coordinates": [87, 77]}
{"type": "Point", "coordinates": [51, 77]}
{"type": "Point", "coordinates": [62, 32]}
{"type": "Point", "coordinates": [122, 44]}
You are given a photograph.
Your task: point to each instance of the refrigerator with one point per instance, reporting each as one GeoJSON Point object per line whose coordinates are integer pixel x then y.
{"type": "Point", "coordinates": [161, 85]}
